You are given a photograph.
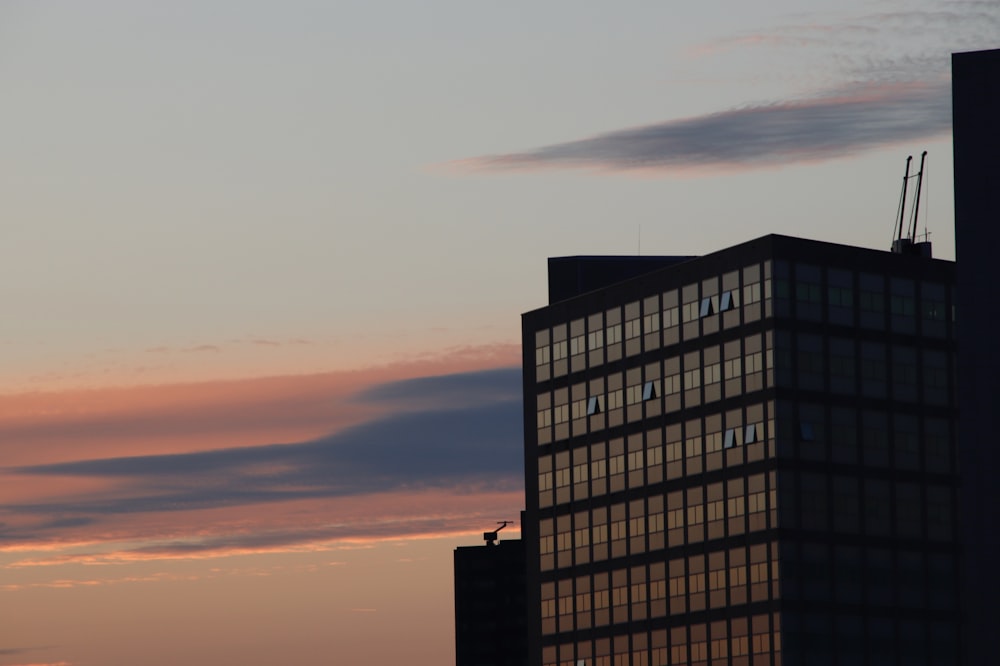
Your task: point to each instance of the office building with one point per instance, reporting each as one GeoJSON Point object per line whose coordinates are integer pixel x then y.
{"type": "Point", "coordinates": [744, 458]}
{"type": "Point", "coordinates": [489, 604]}
{"type": "Point", "coordinates": [976, 108]}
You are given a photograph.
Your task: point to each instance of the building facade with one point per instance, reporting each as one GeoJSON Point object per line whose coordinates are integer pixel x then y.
{"type": "Point", "coordinates": [744, 458]}
{"type": "Point", "coordinates": [975, 108]}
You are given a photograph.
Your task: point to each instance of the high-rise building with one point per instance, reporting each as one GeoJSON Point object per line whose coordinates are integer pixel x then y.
{"type": "Point", "coordinates": [976, 108]}
{"type": "Point", "coordinates": [744, 458]}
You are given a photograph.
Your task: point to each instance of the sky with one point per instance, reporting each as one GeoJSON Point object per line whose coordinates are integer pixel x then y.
{"type": "Point", "coordinates": [262, 266]}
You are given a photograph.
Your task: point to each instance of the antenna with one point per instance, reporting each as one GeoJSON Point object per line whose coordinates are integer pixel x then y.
{"type": "Point", "coordinates": [905, 240]}
{"type": "Point", "coordinates": [916, 201]}
{"type": "Point", "coordinates": [902, 201]}
{"type": "Point", "coordinates": [491, 537]}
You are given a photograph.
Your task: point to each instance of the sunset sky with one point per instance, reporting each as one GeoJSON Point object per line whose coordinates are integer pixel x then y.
{"type": "Point", "coordinates": [262, 266]}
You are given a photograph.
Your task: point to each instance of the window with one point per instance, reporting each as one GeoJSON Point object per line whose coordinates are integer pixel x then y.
{"type": "Point", "coordinates": [616, 464]}
{"type": "Point", "coordinates": [637, 526]}
{"type": "Point", "coordinates": [731, 438]}
{"type": "Point", "coordinates": [594, 405]}
{"type": "Point", "coordinates": [671, 317]}
{"type": "Point", "coordinates": [595, 340]}
{"type": "Point", "coordinates": [753, 433]}
{"type": "Point", "coordinates": [600, 534]}
{"type": "Point", "coordinates": [841, 297]}
{"type": "Point", "coordinates": [559, 350]}
{"type": "Point", "coordinates": [544, 418]}
{"type": "Point", "coordinates": [751, 293]}
{"type": "Point", "coordinates": [678, 586]}
{"type": "Point", "coordinates": [671, 384]}
{"type": "Point", "coordinates": [546, 545]}
{"type": "Point", "coordinates": [655, 522]}
{"type": "Point", "coordinates": [651, 322]}
{"type": "Point", "coordinates": [733, 368]}
{"type": "Point", "coordinates": [729, 301]}
{"type": "Point", "coordinates": [635, 461]}
{"type": "Point", "coordinates": [692, 378]}
{"type": "Point", "coordinates": [615, 399]}
{"type": "Point", "coordinates": [709, 306]}
{"type": "Point", "coordinates": [650, 390]}
{"type": "Point", "coordinates": [633, 394]}
{"type": "Point", "coordinates": [614, 334]}
{"type": "Point", "coordinates": [713, 373]}
{"type": "Point", "coordinates": [807, 292]}
{"type": "Point", "coordinates": [757, 502]}
{"type": "Point", "coordinates": [581, 537]}
{"type": "Point", "coordinates": [542, 355]}
{"type": "Point", "coordinates": [690, 311]}
{"type": "Point", "coordinates": [713, 442]}
{"type": "Point", "coordinates": [562, 477]}
{"type": "Point", "coordinates": [576, 345]}
{"type": "Point", "coordinates": [544, 481]}
{"type": "Point", "coordinates": [675, 519]}
{"type": "Point", "coordinates": [580, 473]}
{"type": "Point", "coordinates": [560, 414]}
{"type": "Point", "coordinates": [632, 329]}
{"type": "Point", "coordinates": [598, 469]}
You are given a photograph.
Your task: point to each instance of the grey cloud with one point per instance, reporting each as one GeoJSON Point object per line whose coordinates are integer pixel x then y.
{"type": "Point", "coordinates": [461, 388]}
{"type": "Point", "coordinates": [851, 120]}
{"type": "Point", "coordinates": [473, 446]}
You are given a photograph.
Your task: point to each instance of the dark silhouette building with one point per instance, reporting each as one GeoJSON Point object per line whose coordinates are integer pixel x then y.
{"type": "Point", "coordinates": [489, 605]}
{"type": "Point", "coordinates": [976, 110]}
{"type": "Point", "coordinates": [744, 458]}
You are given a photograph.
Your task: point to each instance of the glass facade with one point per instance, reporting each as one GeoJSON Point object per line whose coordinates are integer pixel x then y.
{"type": "Point", "coordinates": [748, 461]}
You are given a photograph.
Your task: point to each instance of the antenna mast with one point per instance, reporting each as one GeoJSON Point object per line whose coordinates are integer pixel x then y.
{"type": "Point", "coordinates": [916, 202]}
{"type": "Point", "coordinates": [905, 240]}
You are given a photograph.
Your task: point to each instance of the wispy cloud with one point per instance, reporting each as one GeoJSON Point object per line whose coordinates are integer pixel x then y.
{"type": "Point", "coordinates": [856, 118]}
{"type": "Point", "coordinates": [874, 89]}
{"type": "Point", "coordinates": [433, 437]}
